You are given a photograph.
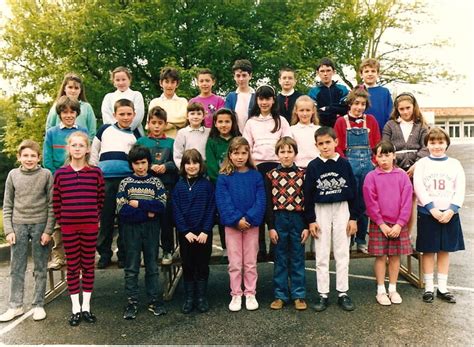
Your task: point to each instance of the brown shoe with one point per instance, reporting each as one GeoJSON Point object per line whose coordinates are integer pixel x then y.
{"type": "Point", "coordinates": [300, 304]}
{"type": "Point", "coordinates": [277, 304]}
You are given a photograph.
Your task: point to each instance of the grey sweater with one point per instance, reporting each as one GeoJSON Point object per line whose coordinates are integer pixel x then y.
{"type": "Point", "coordinates": [28, 199]}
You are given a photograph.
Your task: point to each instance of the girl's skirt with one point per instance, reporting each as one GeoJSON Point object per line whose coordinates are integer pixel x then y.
{"type": "Point", "coordinates": [434, 236]}
{"type": "Point", "coordinates": [380, 245]}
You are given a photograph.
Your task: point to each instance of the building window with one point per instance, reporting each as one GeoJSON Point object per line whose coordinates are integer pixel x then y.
{"type": "Point", "coordinates": [441, 125]}
{"type": "Point", "coordinates": [454, 129]}
{"type": "Point", "coordinates": [469, 129]}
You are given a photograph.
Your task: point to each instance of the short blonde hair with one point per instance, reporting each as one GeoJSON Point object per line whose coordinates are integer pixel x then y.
{"type": "Point", "coordinates": [369, 62]}
{"type": "Point", "coordinates": [33, 145]}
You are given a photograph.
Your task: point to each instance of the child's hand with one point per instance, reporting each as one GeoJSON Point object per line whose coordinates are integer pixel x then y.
{"type": "Point", "coordinates": [314, 230]}
{"type": "Point", "coordinates": [304, 236]}
{"type": "Point", "coordinates": [436, 213]}
{"type": "Point", "coordinates": [411, 170]}
{"type": "Point", "coordinates": [11, 239]}
{"type": "Point", "coordinates": [385, 230]}
{"type": "Point", "coordinates": [351, 227]}
{"type": "Point", "coordinates": [201, 238]}
{"type": "Point", "coordinates": [243, 224]}
{"type": "Point", "coordinates": [159, 169]}
{"type": "Point", "coordinates": [151, 214]}
{"type": "Point", "coordinates": [45, 239]}
{"type": "Point", "coordinates": [133, 203]}
{"type": "Point", "coordinates": [446, 216]}
{"type": "Point", "coordinates": [190, 237]}
{"type": "Point", "coordinates": [273, 236]}
{"type": "Point", "coordinates": [395, 231]}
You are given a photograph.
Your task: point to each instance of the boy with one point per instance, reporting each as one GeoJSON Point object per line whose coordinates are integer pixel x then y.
{"type": "Point", "coordinates": [28, 214]}
{"type": "Point", "coordinates": [162, 166]}
{"type": "Point", "coordinates": [54, 156]}
{"type": "Point", "coordinates": [174, 105]}
{"type": "Point", "coordinates": [330, 209]}
{"type": "Point", "coordinates": [242, 100]}
{"type": "Point", "coordinates": [287, 229]}
{"type": "Point", "coordinates": [380, 99]}
{"type": "Point", "coordinates": [288, 95]}
{"type": "Point", "coordinates": [328, 94]}
{"type": "Point", "coordinates": [141, 198]}
{"type": "Point", "coordinates": [109, 151]}
{"type": "Point", "coordinates": [211, 102]}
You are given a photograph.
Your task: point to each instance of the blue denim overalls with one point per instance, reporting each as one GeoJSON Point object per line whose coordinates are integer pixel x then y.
{"type": "Point", "coordinates": [359, 155]}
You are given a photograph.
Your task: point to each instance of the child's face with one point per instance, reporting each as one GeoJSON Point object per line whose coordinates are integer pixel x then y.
{"type": "Point", "coordinates": [156, 126]}
{"type": "Point", "coordinates": [405, 109]}
{"type": "Point", "coordinates": [437, 147]}
{"type": "Point", "coordinates": [384, 160]}
{"type": "Point", "coordinates": [140, 167]}
{"type": "Point", "coordinates": [72, 89]}
{"type": "Point", "coordinates": [287, 81]}
{"type": "Point", "coordinates": [192, 169]}
{"type": "Point", "coordinates": [242, 78]}
{"type": "Point", "coordinates": [205, 84]}
{"type": "Point", "coordinates": [304, 111]}
{"type": "Point", "coordinates": [326, 146]}
{"type": "Point", "coordinates": [239, 158]}
{"type": "Point", "coordinates": [369, 75]}
{"type": "Point", "coordinates": [358, 107]}
{"type": "Point", "coordinates": [265, 105]}
{"type": "Point", "coordinates": [286, 155]}
{"type": "Point", "coordinates": [195, 118]}
{"type": "Point", "coordinates": [68, 117]}
{"type": "Point", "coordinates": [124, 116]}
{"type": "Point", "coordinates": [77, 147]}
{"type": "Point", "coordinates": [29, 158]}
{"type": "Point", "coordinates": [169, 87]}
{"type": "Point", "coordinates": [224, 124]}
{"type": "Point", "coordinates": [325, 73]}
{"type": "Point", "coordinates": [121, 81]}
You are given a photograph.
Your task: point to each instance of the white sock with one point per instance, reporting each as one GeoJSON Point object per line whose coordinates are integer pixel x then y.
{"type": "Point", "coordinates": [381, 289]}
{"type": "Point", "coordinates": [76, 305]}
{"type": "Point", "coordinates": [323, 295]}
{"type": "Point", "coordinates": [342, 294]}
{"type": "Point", "coordinates": [392, 287]}
{"type": "Point", "coordinates": [442, 283]}
{"type": "Point", "coordinates": [86, 301]}
{"type": "Point", "coordinates": [429, 283]}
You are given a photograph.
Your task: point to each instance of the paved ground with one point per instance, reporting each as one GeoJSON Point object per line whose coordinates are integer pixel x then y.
{"type": "Point", "coordinates": [412, 322]}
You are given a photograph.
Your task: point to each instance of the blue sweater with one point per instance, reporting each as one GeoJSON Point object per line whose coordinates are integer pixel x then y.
{"type": "Point", "coordinates": [231, 101]}
{"type": "Point", "coordinates": [194, 206]}
{"type": "Point", "coordinates": [332, 99]}
{"type": "Point", "coordinates": [241, 194]}
{"type": "Point", "coordinates": [381, 105]}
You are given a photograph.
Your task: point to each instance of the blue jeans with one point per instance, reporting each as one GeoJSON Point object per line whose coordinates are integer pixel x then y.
{"type": "Point", "coordinates": [289, 257]}
{"type": "Point", "coordinates": [19, 259]}
{"type": "Point", "coordinates": [141, 237]}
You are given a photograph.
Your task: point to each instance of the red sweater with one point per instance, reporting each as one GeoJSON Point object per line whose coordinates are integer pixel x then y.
{"type": "Point", "coordinates": [340, 128]}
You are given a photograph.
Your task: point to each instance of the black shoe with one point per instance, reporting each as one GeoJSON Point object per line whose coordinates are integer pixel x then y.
{"type": "Point", "coordinates": [448, 297]}
{"type": "Point", "coordinates": [188, 305]}
{"type": "Point", "coordinates": [321, 304]}
{"type": "Point", "coordinates": [224, 260]}
{"type": "Point", "coordinates": [158, 309]}
{"type": "Point", "coordinates": [428, 297]}
{"type": "Point", "coordinates": [131, 310]}
{"type": "Point", "coordinates": [103, 263]}
{"type": "Point", "coordinates": [88, 317]}
{"type": "Point", "coordinates": [261, 256]}
{"type": "Point", "coordinates": [75, 319]}
{"type": "Point", "coordinates": [120, 264]}
{"type": "Point", "coordinates": [346, 303]}
{"type": "Point", "coordinates": [202, 303]}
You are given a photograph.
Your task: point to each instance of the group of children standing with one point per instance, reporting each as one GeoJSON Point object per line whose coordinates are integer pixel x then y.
{"type": "Point", "coordinates": [193, 170]}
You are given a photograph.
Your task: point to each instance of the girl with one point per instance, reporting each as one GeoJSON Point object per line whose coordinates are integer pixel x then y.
{"type": "Point", "coordinates": [357, 133]}
{"type": "Point", "coordinates": [387, 195]}
{"type": "Point", "coordinates": [122, 79]}
{"type": "Point", "coordinates": [73, 87]}
{"type": "Point", "coordinates": [76, 184]}
{"type": "Point", "coordinates": [262, 131]}
{"type": "Point", "coordinates": [240, 199]}
{"type": "Point", "coordinates": [194, 210]}
{"type": "Point", "coordinates": [304, 122]}
{"type": "Point", "coordinates": [440, 185]}
{"type": "Point", "coordinates": [193, 136]}
{"type": "Point", "coordinates": [224, 128]}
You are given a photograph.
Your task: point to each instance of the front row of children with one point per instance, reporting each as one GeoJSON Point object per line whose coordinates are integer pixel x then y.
{"type": "Point", "coordinates": [321, 201]}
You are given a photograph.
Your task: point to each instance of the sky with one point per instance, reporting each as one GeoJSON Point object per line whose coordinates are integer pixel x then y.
{"type": "Point", "coordinates": [452, 20]}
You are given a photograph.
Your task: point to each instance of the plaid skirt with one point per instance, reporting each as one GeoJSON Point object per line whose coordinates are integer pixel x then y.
{"type": "Point", "coordinates": [380, 245]}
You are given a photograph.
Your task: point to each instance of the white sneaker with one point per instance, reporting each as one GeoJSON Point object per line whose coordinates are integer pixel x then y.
{"type": "Point", "coordinates": [56, 264]}
{"type": "Point", "coordinates": [39, 313]}
{"type": "Point", "coordinates": [167, 259]}
{"type": "Point", "coordinates": [251, 303]}
{"type": "Point", "coordinates": [11, 313]}
{"type": "Point", "coordinates": [383, 299]}
{"type": "Point", "coordinates": [395, 298]}
{"type": "Point", "coordinates": [362, 248]}
{"type": "Point", "coordinates": [236, 304]}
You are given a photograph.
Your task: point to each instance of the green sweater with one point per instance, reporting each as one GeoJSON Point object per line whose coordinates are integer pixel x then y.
{"type": "Point", "coordinates": [86, 119]}
{"type": "Point", "coordinates": [216, 150]}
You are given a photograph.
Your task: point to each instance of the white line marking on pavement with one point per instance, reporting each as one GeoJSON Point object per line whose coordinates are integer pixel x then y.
{"type": "Point", "coordinates": [13, 324]}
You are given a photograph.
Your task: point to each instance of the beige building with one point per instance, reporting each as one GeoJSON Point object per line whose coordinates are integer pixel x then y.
{"type": "Point", "coordinates": [457, 121]}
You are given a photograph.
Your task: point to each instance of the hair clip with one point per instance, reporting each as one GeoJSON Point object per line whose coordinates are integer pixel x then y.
{"type": "Point", "coordinates": [266, 85]}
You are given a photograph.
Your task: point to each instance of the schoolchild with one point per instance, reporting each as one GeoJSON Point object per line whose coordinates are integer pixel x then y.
{"type": "Point", "coordinates": [73, 87]}
{"type": "Point", "coordinates": [162, 166]}
{"type": "Point", "coordinates": [328, 94]}
{"type": "Point", "coordinates": [357, 134]}
{"type": "Point", "coordinates": [194, 209]}
{"type": "Point", "coordinates": [121, 78]}
{"type": "Point", "coordinates": [440, 185]}
{"type": "Point", "coordinates": [174, 105]}
{"type": "Point", "coordinates": [381, 104]}
{"type": "Point", "coordinates": [205, 81]}
{"type": "Point", "coordinates": [193, 136]}
{"type": "Point", "coordinates": [304, 123]}
{"type": "Point", "coordinates": [28, 215]}
{"type": "Point", "coordinates": [287, 227]}
{"type": "Point", "coordinates": [141, 198]}
{"type": "Point", "coordinates": [262, 131]}
{"type": "Point", "coordinates": [242, 100]}
{"type": "Point", "coordinates": [388, 197]}
{"type": "Point", "coordinates": [287, 97]}
{"type": "Point", "coordinates": [224, 129]}
{"type": "Point", "coordinates": [109, 152]}
{"type": "Point", "coordinates": [79, 184]}
{"type": "Point", "coordinates": [331, 210]}
{"type": "Point", "coordinates": [240, 199]}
